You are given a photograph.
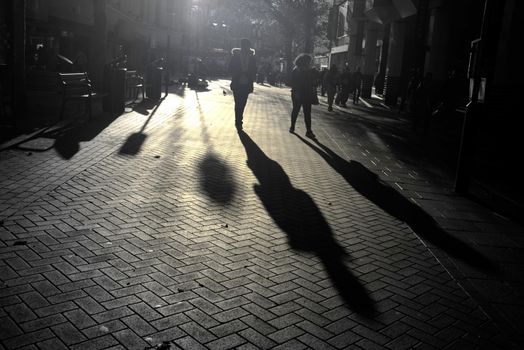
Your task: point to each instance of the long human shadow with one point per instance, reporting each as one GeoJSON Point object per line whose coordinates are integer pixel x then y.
{"type": "Point", "coordinates": [216, 178]}
{"type": "Point", "coordinates": [395, 204]}
{"type": "Point", "coordinates": [295, 212]}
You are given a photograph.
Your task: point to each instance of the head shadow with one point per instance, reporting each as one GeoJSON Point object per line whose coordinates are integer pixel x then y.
{"type": "Point", "coordinates": [295, 213]}
{"type": "Point", "coordinates": [369, 185]}
{"type": "Point", "coordinates": [215, 176]}
{"type": "Point", "coordinates": [216, 179]}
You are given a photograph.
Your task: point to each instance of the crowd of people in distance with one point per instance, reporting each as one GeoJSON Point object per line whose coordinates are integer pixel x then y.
{"type": "Point", "coordinates": [305, 80]}
{"type": "Point", "coordinates": [340, 86]}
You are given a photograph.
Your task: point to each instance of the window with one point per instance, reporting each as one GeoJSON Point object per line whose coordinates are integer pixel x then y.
{"type": "Point", "coordinates": [342, 24]}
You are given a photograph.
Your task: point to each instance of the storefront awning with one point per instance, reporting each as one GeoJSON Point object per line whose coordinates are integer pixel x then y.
{"type": "Point", "coordinates": [339, 49]}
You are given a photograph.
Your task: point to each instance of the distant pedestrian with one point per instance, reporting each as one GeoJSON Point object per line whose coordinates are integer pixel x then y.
{"type": "Point", "coordinates": [303, 92]}
{"type": "Point", "coordinates": [345, 87]}
{"type": "Point", "coordinates": [406, 99]}
{"type": "Point", "coordinates": [243, 70]}
{"type": "Point", "coordinates": [422, 104]}
{"type": "Point", "coordinates": [356, 80]}
{"type": "Point", "coordinates": [451, 94]}
{"type": "Point", "coordinates": [330, 84]}
{"type": "Point", "coordinates": [80, 61]}
{"type": "Point", "coordinates": [322, 85]}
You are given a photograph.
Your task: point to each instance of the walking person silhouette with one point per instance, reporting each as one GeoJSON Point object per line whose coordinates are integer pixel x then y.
{"type": "Point", "coordinates": [243, 70]}
{"type": "Point", "coordinates": [303, 92]}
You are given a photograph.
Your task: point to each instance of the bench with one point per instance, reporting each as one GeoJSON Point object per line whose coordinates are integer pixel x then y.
{"type": "Point", "coordinates": [57, 89]}
{"type": "Point", "coordinates": [75, 86]}
{"type": "Point", "coordinates": [134, 84]}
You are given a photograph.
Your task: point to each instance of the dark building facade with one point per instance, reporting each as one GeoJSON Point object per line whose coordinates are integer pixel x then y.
{"type": "Point", "coordinates": [392, 39]}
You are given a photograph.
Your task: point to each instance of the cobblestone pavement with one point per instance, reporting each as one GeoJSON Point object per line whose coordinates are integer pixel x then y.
{"type": "Point", "coordinates": [166, 225]}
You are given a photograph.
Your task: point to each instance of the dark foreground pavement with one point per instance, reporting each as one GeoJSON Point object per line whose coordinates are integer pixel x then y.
{"type": "Point", "coordinates": [166, 225]}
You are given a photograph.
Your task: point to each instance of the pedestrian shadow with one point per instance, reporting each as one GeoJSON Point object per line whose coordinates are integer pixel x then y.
{"type": "Point", "coordinates": [215, 176]}
{"type": "Point", "coordinates": [295, 212]}
{"type": "Point", "coordinates": [216, 179]}
{"type": "Point", "coordinates": [395, 204]}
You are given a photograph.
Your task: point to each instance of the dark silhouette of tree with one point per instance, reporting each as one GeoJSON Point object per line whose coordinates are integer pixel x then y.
{"type": "Point", "coordinates": [300, 22]}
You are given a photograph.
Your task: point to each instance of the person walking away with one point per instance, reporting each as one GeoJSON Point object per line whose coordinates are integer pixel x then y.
{"type": "Point", "coordinates": [407, 95]}
{"type": "Point", "coordinates": [81, 61]}
{"type": "Point", "coordinates": [450, 95]}
{"type": "Point", "coordinates": [422, 104]}
{"type": "Point", "coordinates": [243, 70]}
{"type": "Point", "coordinates": [345, 88]}
{"type": "Point", "coordinates": [322, 85]}
{"type": "Point", "coordinates": [330, 84]}
{"type": "Point", "coordinates": [357, 85]}
{"type": "Point", "coordinates": [303, 92]}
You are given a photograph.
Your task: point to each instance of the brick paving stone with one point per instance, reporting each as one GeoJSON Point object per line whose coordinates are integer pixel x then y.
{"type": "Point", "coordinates": [292, 344]}
{"type": "Point", "coordinates": [314, 343]}
{"type": "Point", "coordinates": [369, 344]}
{"type": "Point", "coordinates": [20, 313]}
{"type": "Point", "coordinates": [34, 300]}
{"type": "Point", "coordinates": [167, 334]}
{"type": "Point", "coordinates": [28, 338]}
{"type": "Point", "coordinates": [145, 311]}
{"type": "Point", "coordinates": [68, 333]}
{"type": "Point", "coordinates": [217, 240]}
{"type": "Point", "coordinates": [257, 339]}
{"type": "Point", "coordinates": [55, 309]}
{"type": "Point", "coordinates": [52, 344]}
{"type": "Point", "coordinates": [189, 343]}
{"type": "Point", "coordinates": [43, 322]}
{"type": "Point", "coordinates": [197, 332]}
{"type": "Point", "coordinates": [79, 318]}
{"type": "Point", "coordinates": [96, 343]}
{"type": "Point", "coordinates": [202, 318]}
{"type": "Point", "coordinates": [130, 340]}
{"type": "Point", "coordinates": [286, 334]}
{"type": "Point", "coordinates": [9, 328]}
{"type": "Point", "coordinates": [344, 339]}
{"type": "Point", "coordinates": [138, 325]}
{"type": "Point", "coordinates": [228, 328]}
{"type": "Point", "coordinates": [169, 321]}
{"type": "Point", "coordinates": [103, 329]}
{"type": "Point", "coordinates": [228, 342]}
{"type": "Point", "coordinates": [90, 305]}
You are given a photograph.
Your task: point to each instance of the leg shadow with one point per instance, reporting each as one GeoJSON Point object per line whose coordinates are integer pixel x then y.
{"type": "Point", "coordinates": [395, 204]}
{"type": "Point", "coordinates": [295, 212]}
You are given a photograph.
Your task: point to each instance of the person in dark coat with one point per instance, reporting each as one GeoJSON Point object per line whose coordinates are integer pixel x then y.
{"type": "Point", "coordinates": [243, 70]}
{"type": "Point", "coordinates": [422, 104]}
{"type": "Point", "coordinates": [330, 84]}
{"type": "Point", "coordinates": [303, 92]}
{"type": "Point", "coordinates": [357, 85]}
{"type": "Point", "coordinates": [345, 87]}
{"type": "Point", "coordinates": [323, 73]}
{"type": "Point", "coordinates": [406, 100]}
